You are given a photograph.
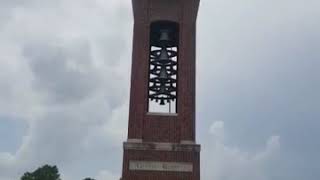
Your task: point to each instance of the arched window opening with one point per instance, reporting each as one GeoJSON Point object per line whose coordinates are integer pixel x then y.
{"type": "Point", "coordinates": [163, 67]}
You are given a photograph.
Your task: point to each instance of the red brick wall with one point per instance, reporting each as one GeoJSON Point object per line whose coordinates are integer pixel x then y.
{"type": "Point", "coordinates": [145, 12]}
{"type": "Point", "coordinates": [161, 128]}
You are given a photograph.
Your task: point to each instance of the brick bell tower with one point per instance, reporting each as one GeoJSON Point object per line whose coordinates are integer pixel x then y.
{"type": "Point", "coordinates": [161, 136]}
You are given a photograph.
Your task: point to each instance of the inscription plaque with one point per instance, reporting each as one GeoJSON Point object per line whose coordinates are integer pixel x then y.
{"type": "Point", "coordinates": [160, 166]}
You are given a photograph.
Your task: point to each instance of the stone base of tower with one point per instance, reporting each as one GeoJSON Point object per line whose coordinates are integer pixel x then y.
{"type": "Point", "coordinates": [161, 161]}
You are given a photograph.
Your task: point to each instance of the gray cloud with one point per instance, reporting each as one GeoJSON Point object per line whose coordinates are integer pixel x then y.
{"type": "Point", "coordinates": [225, 158]}
{"type": "Point", "coordinates": [64, 69]}
{"type": "Point", "coordinates": [65, 79]}
{"type": "Point", "coordinates": [262, 70]}
{"type": "Point", "coordinates": [63, 73]}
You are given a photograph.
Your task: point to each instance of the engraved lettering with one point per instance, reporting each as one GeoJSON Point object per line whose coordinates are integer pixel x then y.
{"type": "Point", "coordinates": [160, 166]}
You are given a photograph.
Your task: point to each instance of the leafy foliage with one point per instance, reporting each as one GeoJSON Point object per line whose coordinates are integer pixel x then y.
{"type": "Point", "coordinates": [45, 172]}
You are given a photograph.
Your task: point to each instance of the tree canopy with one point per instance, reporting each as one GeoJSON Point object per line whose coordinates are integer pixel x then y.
{"type": "Point", "coordinates": [45, 172]}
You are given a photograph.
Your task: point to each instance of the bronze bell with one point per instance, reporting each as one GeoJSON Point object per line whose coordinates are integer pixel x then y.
{"type": "Point", "coordinates": [162, 102]}
{"type": "Point", "coordinates": [163, 73]}
{"type": "Point", "coordinates": [162, 88]}
{"type": "Point", "coordinates": [164, 54]}
{"type": "Point", "coordinates": [162, 91]}
{"type": "Point", "coordinates": [164, 35]}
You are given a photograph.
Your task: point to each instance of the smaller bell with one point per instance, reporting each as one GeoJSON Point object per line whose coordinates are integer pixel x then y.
{"type": "Point", "coordinates": [164, 54]}
{"type": "Point", "coordinates": [162, 89]}
{"type": "Point", "coordinates": [163, 73]}
{"type": "Point", "coordinates": [162, 102]}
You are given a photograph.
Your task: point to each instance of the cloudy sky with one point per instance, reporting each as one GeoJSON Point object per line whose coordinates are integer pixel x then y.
{"type": "Point", "coordinates": [64, 87]}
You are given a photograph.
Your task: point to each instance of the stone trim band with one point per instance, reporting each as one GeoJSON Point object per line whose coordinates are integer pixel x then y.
{"type": "Point", "coordinates": [161, 146]}
{"type": "Point", "coordinates": [160, 166]}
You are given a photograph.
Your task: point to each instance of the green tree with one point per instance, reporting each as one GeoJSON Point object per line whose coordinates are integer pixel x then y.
{"type": "Point", "coordinates": [45, 172]}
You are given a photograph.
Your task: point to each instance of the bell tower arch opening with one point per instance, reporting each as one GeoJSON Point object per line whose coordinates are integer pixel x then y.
{"type": "Point", "coordinates": [163, 67]}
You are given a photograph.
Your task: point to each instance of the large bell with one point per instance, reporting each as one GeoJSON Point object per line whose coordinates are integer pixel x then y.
{"type": "Point", "coordinates": [164, 35]}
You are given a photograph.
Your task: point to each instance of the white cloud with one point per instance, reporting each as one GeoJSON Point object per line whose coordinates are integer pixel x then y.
{"type": "Point", "coordinates": [225, 162]}
{"type": "Point", "coordinates": [217, 130]}
{"type": "Point", "coordinates": [7, 160]}
{"type": "Point", "coordinates": [106, 175]}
